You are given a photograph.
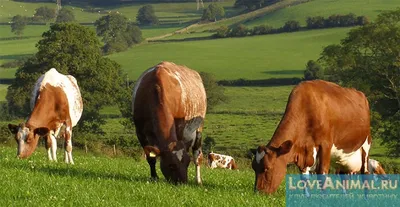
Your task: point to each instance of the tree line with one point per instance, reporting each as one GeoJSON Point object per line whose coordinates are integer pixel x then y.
{"type": "Point", "coordinates": [317, 22]}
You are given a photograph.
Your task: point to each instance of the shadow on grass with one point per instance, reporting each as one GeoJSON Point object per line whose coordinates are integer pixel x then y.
{"type": "Point", "coordinates": [14, 57]}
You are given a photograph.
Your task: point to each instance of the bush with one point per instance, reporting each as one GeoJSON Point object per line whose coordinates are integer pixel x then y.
{"type": "Point", "coordinates": [239, 31]}
{"type": "Point", "coordinates": [45, 13]}
{"type": "Point", "coordinates": [291, 26]}
{"type": "Point", "coordinates": [313, 71]}
{"type": "Point", "coordinates": [222, 32]}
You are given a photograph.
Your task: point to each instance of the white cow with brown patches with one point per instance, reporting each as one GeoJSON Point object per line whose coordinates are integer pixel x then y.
{"type": "Point", "coordinates": [55, 103]}
{"type": "Point", "coordinates": [222, 161]}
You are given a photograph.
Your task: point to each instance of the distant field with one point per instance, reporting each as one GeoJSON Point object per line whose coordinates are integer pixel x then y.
{"type": "Point", "coordinates": [167, 12]}
{"type": "Point", "coordinates": [258, 57]}
{"type": "Point", "coordinates": [325, 8]}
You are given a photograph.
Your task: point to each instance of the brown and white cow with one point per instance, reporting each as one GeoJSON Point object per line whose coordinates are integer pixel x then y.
{"type": "Point", "coordinates": [323, 124]}
{"type": "Point", "coordinates": [169, 106]}
{"type": "Point", "coordinates": [55, 103]}
{"type": "Point", "coordinates": [222, 161]}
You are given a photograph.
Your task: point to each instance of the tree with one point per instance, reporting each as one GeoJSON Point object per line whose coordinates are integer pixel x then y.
{"type": "Point", "coordinates": [117, 33]}
{"type": "Point", "coordinates": [146, 16]}
{"type": "Point", "coordinates": [313, 71]}
{"type": "Point", "coordinates": [215, 92]}
{"type": "Point", "coordinates": [71, 49]}
{"type": "Point", "coordinates": [65, 15]}
{"type": "Point", "coordinates": [45, 13]}
{"type": "Point", "coordinates": [18, 24]}
{"type": "Point", "coordinates": [368, 59]}
{"type": "Point", "coordinates": [212, 12]}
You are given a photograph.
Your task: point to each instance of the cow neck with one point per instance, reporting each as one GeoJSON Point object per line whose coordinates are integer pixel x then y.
{"type": "Point", "coordinates": [290, 128]}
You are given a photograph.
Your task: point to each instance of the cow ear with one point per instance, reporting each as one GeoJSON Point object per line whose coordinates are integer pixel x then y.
{"type": "Point", "coordinates": [13, 128]}
{"type": "Point", "coordinates": [285, 147]}
{"type": "Point", "coordinates": [151, 151]}
{"type": "Point", "coordinates": [42, 131]}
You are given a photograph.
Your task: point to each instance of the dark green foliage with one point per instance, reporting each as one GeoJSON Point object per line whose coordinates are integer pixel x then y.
{"type": "Point", "coordinates": [262, 29]}
{"type": "Point", "coordinates": [146, 16]}
{"type": "Point", "coordinates": [313, 71]}
{"type": "Point", "coordinates": [208, 145]}
{"type": "Point", "coordinates": [222, 32]}
{"type": "Point", "coordinates": [65, 15]}
{"type": "Point", "coordinates": [212, 12]}
{"type": "Point", "coordinates": [18, 24]}
{"type": "Point", "coordinates": [315, 22]}
{"type": "Point", "coordinates": [215, 92]}
{"type": "Point", "coordinates": [291, 26]}
{"type": "Point", "coordinates": [367, 59]}
{"type": "Point", "coordinates": [117, 33]}
{"type": "Point", "coordinates": [239, 31]}
{"type": "Point", "coordinates": [71, 49]}
{"type": "Point", "coordinates": [45, 13]}
{"type": "Point", "coordinates": [253, 4]}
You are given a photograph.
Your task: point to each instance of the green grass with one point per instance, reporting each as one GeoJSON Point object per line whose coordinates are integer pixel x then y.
{"type": "Point", "coordinates": [258, 57]}
{"type": "Point", "coordinates": [325, 8]}
{"type": "Point", "coordinates": [101, 181]}
{"type": "Point", "coordinates": [167, 12]}
{"type": "Point", "coordinates": [3, 92]}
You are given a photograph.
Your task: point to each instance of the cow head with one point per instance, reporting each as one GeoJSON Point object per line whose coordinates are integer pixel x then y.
{"type": "Point", "coordinates": [27, 138]}
{"type": "Point", "coordinates": [174, 161]}
{"type": "Point", "coordinates": [269, 165]}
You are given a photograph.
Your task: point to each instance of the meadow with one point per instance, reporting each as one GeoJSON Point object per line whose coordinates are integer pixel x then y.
{"type": "Point", "coordinates": [248, 119]}
{"type": "Point", "coordinates": [103, 181]}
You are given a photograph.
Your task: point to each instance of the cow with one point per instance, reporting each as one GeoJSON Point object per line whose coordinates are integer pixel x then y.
{"type": "Point", "coordinates": [56, 103]}
{"type": "Point", "coordinates": [169, 105]}
{"type": "Point", "coordinates": [222, 161]}
{"type": "Point", "coordinates": [323, 123]}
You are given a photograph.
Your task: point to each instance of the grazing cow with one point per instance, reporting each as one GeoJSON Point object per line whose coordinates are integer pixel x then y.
{"type": "Point", "coordinates": [55, 103]}
{"type": "Point", "coordinates": [169, 105]}
{"type": "Point", "coordinates": [223, 161]}
{"type": "Point", "coordinates": [323, 124]}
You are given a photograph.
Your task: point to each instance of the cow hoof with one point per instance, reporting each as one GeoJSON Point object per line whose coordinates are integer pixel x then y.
{"type": "Point", "coordinates": [154, 179]}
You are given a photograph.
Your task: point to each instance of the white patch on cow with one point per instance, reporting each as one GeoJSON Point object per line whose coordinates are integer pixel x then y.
{"type": "Point", "coordinates": [366, 148]}
{"type": "Point", "coordinates": [314, 165]}
{"type": "Point", "coordinates": [259, 156]}
{"type": "Point", "coordinates": [137, 84]}
{"type": "Point", "coordinates": [372, 165]}
{"type": "Point", "coordinates": [352, 161]}
{"type": "Point", "coordinates": [179, 154]}
{"type": "Point", "coordinates": [69, 86]}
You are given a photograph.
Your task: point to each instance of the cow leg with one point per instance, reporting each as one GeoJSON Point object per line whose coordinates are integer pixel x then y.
{"type": "Point", "coordinates": [324, 163]}
{"type": "Point", "coordinates": [48, 143]}
{"type": "Point", "coordinates": [197, 155]}
{"type": "Point", "coordinates": [152, 163]}
{"type": "Point", "coordinates": [68, 145]}
{"type": "Point", "coordinates": [53, 147]}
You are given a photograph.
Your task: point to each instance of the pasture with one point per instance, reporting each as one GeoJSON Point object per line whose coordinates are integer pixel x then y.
{"type": "Point", "coordinates": [325, 8]}
{"type": "Point", "coordinates": [101, 181]}
{"type": "Point", "coordinates": [257, 57]}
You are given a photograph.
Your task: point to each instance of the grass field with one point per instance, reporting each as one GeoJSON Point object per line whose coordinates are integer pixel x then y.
{"type": "Point", "coordinates": [101, 181]}
{"type": "Point", "coordinates": [325, 8]}
{"type": "Point", "coordinates": [167, 12]}
{"type": "Point", "coordinates": [258, 57]}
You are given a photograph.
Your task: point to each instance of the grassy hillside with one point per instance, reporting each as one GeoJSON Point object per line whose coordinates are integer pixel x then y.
{"type": "Point", "coordinates": [257, 57]}
{"type": "Point", "coordinates": [167, 12]}
{"type": "Point", "coordinates": [325, 8]}
{"type": "Point", "coordinates": [101, 181]}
